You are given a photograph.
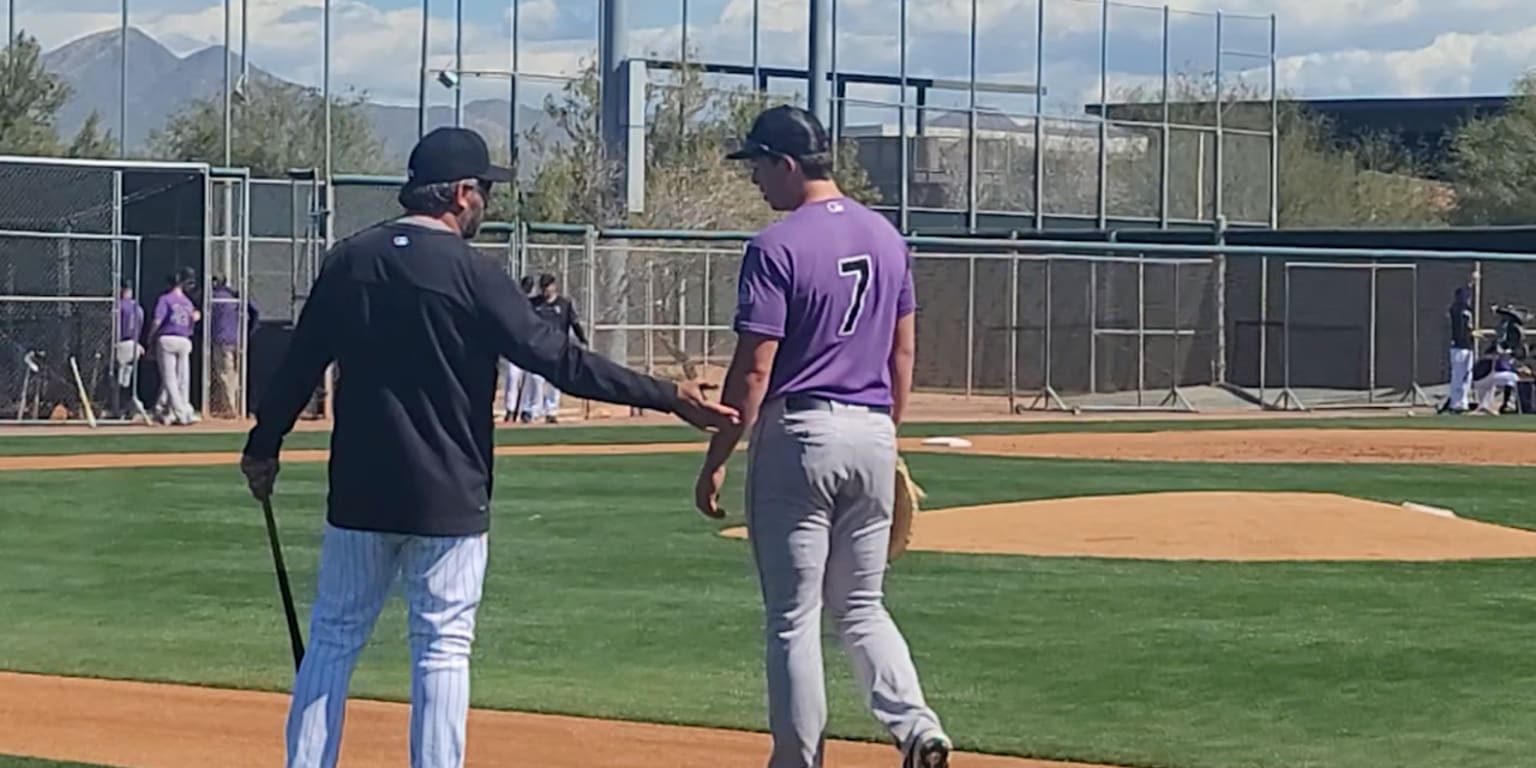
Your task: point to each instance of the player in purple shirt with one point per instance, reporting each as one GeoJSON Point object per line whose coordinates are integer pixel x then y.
{"type": "Point", "coordinates": [171, 332]}
{"type": "Point", "coordinates": [224, 330]}
{"type": "Point", "coordinates": [822, 373]}
{"type": "Point", "coordinates": [128, 350]}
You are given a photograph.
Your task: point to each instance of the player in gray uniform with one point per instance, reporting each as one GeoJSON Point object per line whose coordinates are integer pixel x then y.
{"type": "Point", "coordinates": [821, 373]}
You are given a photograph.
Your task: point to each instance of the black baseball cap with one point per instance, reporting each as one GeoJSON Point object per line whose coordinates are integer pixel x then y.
{"type": "Point", "coordinates": [785, 130]}
{"type": "Point", "coordinates": [450, 154]}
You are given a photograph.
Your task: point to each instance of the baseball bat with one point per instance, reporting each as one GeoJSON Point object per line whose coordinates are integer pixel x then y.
{"type": "Point", "coordinates": [85, 399]}
{"type": "Point", "coordinates": [295, 638]}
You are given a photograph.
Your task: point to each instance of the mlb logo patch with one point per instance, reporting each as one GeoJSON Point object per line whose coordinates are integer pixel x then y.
{"type": "Point", "coordinates": [402, 241]}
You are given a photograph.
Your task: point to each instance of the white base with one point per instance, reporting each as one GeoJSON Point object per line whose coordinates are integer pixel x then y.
{"type": "Point", "coordinates": [1426, 509]}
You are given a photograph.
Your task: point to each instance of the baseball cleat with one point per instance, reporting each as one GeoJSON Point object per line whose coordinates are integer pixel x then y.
{"type": "Point", "coordinates": [931, 750]}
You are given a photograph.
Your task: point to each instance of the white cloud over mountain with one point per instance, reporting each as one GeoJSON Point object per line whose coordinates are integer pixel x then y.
{"type": "Point", "coordinates": [1327, 47]}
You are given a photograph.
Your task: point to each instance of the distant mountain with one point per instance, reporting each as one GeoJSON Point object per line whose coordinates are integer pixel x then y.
{"type": "Point", "coordinates": [160, 83]}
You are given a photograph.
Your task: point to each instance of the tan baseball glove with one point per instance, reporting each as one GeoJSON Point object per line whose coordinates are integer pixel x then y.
{"type": "Point", "coordinates": [909, 497]}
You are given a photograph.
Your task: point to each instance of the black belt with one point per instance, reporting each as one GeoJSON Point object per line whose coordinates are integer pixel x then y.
{"type": "Point", "coordinates": [813, 403]}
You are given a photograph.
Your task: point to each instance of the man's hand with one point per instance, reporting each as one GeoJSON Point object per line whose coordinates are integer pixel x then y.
{"type": "Point", "coordinates": [695, 409]}
{"type": "Point", "coordinates": [706, 492]}
{"type": "Point", "coordinates": [260, 475]}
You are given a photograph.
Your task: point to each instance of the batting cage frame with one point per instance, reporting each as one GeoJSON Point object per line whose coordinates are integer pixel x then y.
{"type": "Point", "coordinates": [1410, 395]}
{"type": "Point", "coordinates": [154, 220]}
{"type": "Point", "coordinates": [47, 334]}
{"type": "Point", "coordinates": [1046, 396]}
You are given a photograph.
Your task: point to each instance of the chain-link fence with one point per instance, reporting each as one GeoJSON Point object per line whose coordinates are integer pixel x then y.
{"type": "Point", "coordinates": [69, 326]}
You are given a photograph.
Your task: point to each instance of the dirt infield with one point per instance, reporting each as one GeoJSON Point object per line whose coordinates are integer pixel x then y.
{"type": "Point", "coordinates": [1214, 526]}
{"type": "Point", "coordinates": [143, 725]}
{"type": "Point", "coordinates": [1364, 446]}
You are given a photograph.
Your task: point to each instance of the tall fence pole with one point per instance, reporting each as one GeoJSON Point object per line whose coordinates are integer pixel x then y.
{"type": "Point", "coordinates": [1013, 330]}
{"type": "Point", "coordinates": [970, 324]}
{"type": "Point", "coordinates": [1370, 392]}
{"type": "Point", "coordinates": [1039, 148]}
{"type": "Point", "coordinates": [122, 79]}
{"type": "Point", "coordinates": [1141, 328]}
{"type": "Point", "coordinates": [422, 76]}
{"type": "Point", "coordinates": [1263, 326]}
{"type": "Point", "coordinates": [1103, 185]}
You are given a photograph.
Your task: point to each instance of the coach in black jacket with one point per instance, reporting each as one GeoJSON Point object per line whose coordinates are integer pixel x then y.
{"type": "Point", "coordinates": [541, 397]}
{"type": "Point", "coordinates": [416, 319]}
{"type": "Point", "coordinates": [558, 310]}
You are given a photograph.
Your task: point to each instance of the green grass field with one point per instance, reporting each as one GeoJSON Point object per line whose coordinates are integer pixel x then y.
{"type": "Point", "coordinates": [607, 596]}
{"type": "Point", "coordinates": [168, 440]}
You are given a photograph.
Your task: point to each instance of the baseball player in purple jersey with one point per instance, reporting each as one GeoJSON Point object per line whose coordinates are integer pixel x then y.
{"type": "Point", "coordinates": [128, 350]}
{"type": "Point", "coordinates": [175, 319]}
{"type": "Point", "coordinates": [821, 375]}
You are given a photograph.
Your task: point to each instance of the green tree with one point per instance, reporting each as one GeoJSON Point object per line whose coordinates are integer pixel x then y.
{"type": "Point", "coordinates": [689, 183]}
{"type": "Point", "coordinates": [30, 100]}
{"type": "Point", "coordinates": [1323, 181]}
{"type": "Point", "coordinates": [92, 140]}
{"type": "Point", "coordinates": [277, 126]}
{"type": "Point", "coordinates": [1493, 162]}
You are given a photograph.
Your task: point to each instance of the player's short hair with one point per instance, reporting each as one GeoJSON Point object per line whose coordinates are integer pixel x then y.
{"type": "Point", "coordinates": [431, 199]}
{"type": "Point", "coordinates": [788, 131]}
{"type": "Point", "coordinates": [816, 167]}
{"type": "Point", "coordinates": [526, 283]}
{"type": "Point", "coordinates": [547, 279]}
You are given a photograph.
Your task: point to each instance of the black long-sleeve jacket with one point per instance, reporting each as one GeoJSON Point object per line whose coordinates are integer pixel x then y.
{"type": "Point", "coordinates": [415, 320]}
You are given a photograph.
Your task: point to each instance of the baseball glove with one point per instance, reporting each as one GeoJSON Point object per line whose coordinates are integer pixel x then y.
{"type": "Point", "coordinates": [909, 496]}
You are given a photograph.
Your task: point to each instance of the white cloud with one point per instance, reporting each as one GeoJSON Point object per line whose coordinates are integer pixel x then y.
{"type": "Point", "coordinates": [1329, 47]}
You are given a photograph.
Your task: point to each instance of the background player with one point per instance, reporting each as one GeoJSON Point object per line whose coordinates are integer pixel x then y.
{"type": "Point", "coordinates": [128, 350]}
{"type": "Point", "coordinates": [1461, 321]}
{"type": "Point", "coordinates": [170, 333]}
{"type": "Point", "coordinates": [416, 319]}
{"type": "Point", "coordinates": [512, 380]}
{"type": "Point", "coordinates": [224, 330]}
{"type": "Point", "coordinates": [822, 372]}
{"type": "Point", "coordinates": [540, 398]}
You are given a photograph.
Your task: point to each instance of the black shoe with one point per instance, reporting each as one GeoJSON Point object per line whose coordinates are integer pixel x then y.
{"type": "Point", "coordinates": [551, 420]}
{"type": "Point", "coordinates": [928, 751]}
{"type": "Point", "coordinates": [509, 417]}
{"type": "Point", "coordinates": [525, 417]}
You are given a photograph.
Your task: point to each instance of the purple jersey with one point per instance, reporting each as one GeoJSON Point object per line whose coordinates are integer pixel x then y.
{"type": "Point", "coordinates": [224, 316]}
{"type": "Point", "coordinates": [829, 281]}
{"type": "Point", "coordinates": [130, 320]}
{"type": "Point", "coordinates": [174, 314]}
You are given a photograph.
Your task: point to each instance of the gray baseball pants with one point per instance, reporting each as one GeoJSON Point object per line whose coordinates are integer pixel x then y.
{"type": "Point", "coordinates": [821, 486]}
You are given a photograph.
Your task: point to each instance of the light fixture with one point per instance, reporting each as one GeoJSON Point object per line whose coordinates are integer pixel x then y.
{"type": "Point", "coordinates": [448, 79]}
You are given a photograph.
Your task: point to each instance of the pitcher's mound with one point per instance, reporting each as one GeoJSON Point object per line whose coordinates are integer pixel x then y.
{"type": "Point", "coordinates": [1214, 526]}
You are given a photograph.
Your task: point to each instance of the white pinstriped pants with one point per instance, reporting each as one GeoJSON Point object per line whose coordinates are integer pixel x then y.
{"type": "Point", "coordinates": [442, 579]}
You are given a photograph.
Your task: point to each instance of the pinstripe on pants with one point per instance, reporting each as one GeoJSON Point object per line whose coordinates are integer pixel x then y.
{"type": "Point", "coordinates": [442, 577]}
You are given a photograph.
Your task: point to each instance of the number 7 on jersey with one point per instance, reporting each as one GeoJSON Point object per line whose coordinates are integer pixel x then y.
{"type": "Point", "coordinates": [861, 269]}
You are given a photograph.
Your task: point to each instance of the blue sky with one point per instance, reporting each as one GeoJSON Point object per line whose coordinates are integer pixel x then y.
{"type": "Point", "coordinates": [1326, 47]}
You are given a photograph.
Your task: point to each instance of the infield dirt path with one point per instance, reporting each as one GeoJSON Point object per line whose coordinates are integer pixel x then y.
{"type": "Point", "coordinates": [1352, 446]}
{"type": "Point", "coordinates": [144, 725]}
{"type": "Point", "coordinates": [1381, 446]}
